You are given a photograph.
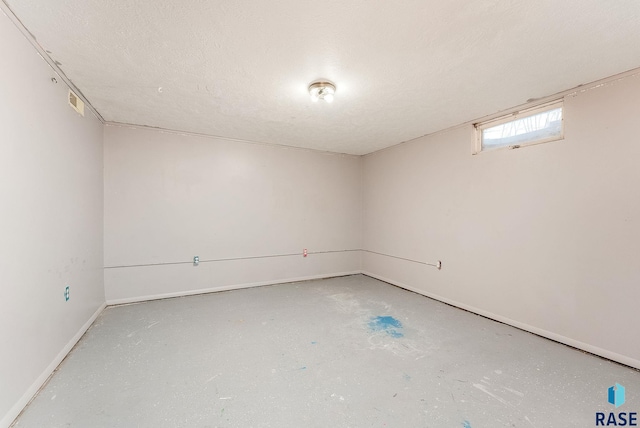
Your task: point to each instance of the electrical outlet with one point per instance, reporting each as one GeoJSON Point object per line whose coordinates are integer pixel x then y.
{"type": "Point", "coordinates": [196, 260]}
{"type": "Point", "coordinates": [66, 294]}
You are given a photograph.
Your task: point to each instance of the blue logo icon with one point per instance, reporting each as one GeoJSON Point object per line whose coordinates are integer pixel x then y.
{"type": "Point", "coordinates": [616, 395]}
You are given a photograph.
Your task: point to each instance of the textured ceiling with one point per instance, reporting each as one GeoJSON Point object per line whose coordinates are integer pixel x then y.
{"type": "Point", "coordinates": [240, 69]}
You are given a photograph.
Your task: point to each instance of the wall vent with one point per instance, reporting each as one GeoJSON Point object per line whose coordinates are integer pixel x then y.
{"type": "Point", "coordinates": [76, 103]}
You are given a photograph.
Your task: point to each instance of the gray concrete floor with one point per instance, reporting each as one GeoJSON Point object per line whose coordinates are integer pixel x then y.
{"type": "Point", "coordinates": [341, 352]}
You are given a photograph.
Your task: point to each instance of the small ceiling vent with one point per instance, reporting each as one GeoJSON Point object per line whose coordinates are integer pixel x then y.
{"type": "Point", "coordinates": [76, 103]}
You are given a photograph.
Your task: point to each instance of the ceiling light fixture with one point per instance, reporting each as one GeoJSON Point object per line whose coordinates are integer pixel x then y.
{"type": "Point", "coordinates": [322, 90]}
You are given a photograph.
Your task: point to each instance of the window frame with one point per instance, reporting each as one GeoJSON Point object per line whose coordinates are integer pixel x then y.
{"type": "Point", "coordinates": [531, 111]}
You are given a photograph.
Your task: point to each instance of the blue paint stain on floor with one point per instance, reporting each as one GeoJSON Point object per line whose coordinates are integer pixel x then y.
{"type": "Point", "coordinates": [466, 424]}
{"type": "Point", "coordinates": [387, 324]}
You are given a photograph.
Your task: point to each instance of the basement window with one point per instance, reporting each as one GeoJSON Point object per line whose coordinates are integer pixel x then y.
{"type": "Point", "coordinates": [536, 125]}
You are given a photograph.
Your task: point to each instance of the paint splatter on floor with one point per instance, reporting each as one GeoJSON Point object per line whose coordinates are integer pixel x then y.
{"type": "Point", "coordinates": [387, 324]}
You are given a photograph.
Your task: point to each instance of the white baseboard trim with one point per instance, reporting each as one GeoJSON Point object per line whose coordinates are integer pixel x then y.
{"type": "Point", "coordinates": [623, 359]}
{"type": "Point", "coordinates": [17, 408]}
{"type": "Point", "coordinates": [15, 411]}
{"type": "Point", "coordinates": [146, 298]}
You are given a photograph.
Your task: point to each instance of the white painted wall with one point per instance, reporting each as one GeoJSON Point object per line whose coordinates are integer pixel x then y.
{"type": "Point", "coordinates": [169, 197]}
{"type": "Point", "coordinates": [545, 237]}
{"type": "Point", "coordinates": [51, 210]}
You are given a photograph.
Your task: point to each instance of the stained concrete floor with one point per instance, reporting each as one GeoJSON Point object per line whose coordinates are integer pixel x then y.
{"type": "Point", "coordinates": [341, 352]}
